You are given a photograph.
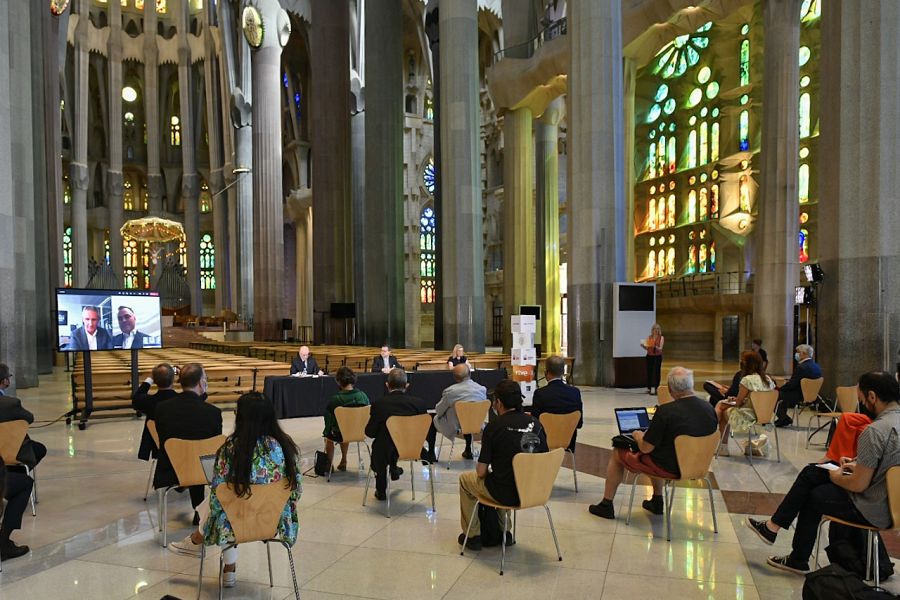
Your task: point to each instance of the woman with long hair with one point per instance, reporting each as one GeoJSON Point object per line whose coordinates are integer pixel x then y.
{"type": "Point", "coordinates": [654, 347]}
{"type": "Point", "coordinates": [737, 412]}
{"type": "Point", "coordinates": [457, 357]}
{"type": "Point", "coordinates": [346, 396]}
{"type": "Point", "coordinates": [258, 452]}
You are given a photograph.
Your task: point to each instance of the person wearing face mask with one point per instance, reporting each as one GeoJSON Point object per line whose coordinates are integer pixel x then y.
{"type": "Point", "coordinates": [186, 416]}
{"type": "Point", "coordinates": [791, 394]}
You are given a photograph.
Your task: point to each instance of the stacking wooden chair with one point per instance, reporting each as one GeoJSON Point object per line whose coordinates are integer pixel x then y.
{"type": "Point", "coordinates": [12, 434]}
{"type": "Point", "coordinates": [764, 404]}
{"type": "Point", "coordinates": [154, 435]}
{"type": "Point", "coordinates": [471, 415]}
{"type": "Point", "coordinates": [559, 430]}
{"type": "Point", "coordinates": [810, 389]}
{"type": "Point", "coordinates": [534, 474]}
{"type": "Point", "coordinates": [352, 423]}
{"type": "Point", "coordinates": [845, 402]}
{"type": "Point", "coordinates": [253, 518]}
{"type": "Point", "coordinates": [694, 455]}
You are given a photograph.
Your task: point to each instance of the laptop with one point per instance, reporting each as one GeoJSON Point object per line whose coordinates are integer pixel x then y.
{"type": "Point", "coordinates": [633, 419]}
{"type": "Point", "coordinates": [208, 462]}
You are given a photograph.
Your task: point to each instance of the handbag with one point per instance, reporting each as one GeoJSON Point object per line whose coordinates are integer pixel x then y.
{"type": "Point", "coordinates": [625, 443]}
{"type": "Point", "coordinates": [322, 465]}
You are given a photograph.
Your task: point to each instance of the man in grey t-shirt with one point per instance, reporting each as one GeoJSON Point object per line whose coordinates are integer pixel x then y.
{"type": "Point", "coordinates": [855, 490]}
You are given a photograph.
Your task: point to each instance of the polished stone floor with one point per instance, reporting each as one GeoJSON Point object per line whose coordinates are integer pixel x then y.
{"type": "Point", "coordinates": [94, 536]}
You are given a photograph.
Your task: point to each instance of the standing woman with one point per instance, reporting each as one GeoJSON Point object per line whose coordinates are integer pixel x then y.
{"type": "Point", "coordinates": [457, 357]}
{"type": "Point", "coordinates": [654, 347]}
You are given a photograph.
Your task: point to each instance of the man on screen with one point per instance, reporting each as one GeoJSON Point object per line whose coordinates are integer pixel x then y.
{"type": "Point", "coordinates": [90, 336]}
{"type": "Point", "coordinates": [130, 336]}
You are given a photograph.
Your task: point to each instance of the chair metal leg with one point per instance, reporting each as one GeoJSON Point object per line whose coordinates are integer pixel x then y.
{"type": "Point", "coordinates": [387, 491]}
{"type": "Point", "coordinates": [723, 440]}
{"type": "Point", "coordinates": [631, 498]}
{"type": "Point", "coordinates": [712, 504]}
{"type": "Point", "coordinates": [868, 555]}
{"type": "Point", "coordinates": [34, 487]}
{"type": "Point", "coordinates": [668, 496]}
{"type": "Point", "coordinates": [515, 512]}
{"type": "Point", "coordinates": [469, 528]}
{"type": "Point", "coordinates": [221, 572]}
{"type": "Point", "coordinates": [503, 542]}
{"type": "Point", "coordinates": [200, 576]}
{"type": "Point", "coordinates": [553, 531]}
{"type": "Point", "coordinates": [574, 469]}
{"type": "Point", "coordinates": [873, 535]}
{"type": "Point", "coordinates": [777, 445]}
{"type": "Point", "coordinates": [450, 456]}
{"type": "Point", "coordinates": [749, 449]}
{"type": "Point", "coordinates": [269, 556]}
{"type": "Point", "coordinates": [368, 478]}
{"type": "Point", "coordinates": [818, 540]}
{"type": "Point", "coordinates": [412, 480]}
{"type": "Point", "coordinates": [293, 571]}
{"type": "Point", "coordinates": [150, 478]}
{"type": "Point", "coordinates": [431, 479]}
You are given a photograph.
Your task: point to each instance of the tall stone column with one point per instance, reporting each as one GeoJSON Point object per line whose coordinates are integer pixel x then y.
{"type": "Point", "coordinates": [518, 215]}
{"type": "Point", "coordinates": [79, 178]}
{"type": "Point", "coordinates": [777, 259]}
{"type": "Point", "coordinates": [114, 177]}
{"type": "Point", "coordinates": [630, 80]}
{"type": "Point", "coordinates": [547, 200]}
{"type": "Point", "coordinates": [461, 231]}
{"type": "Point", "coordinates": [151, 110]}
{"type": "Point", "coordinates": [330, 137]}
{"type": "Point", "coordinates": [383, 312]}
{"type": "Point", "coordinates": [268, 199]}
{"type": "Point", "coordinates": [859, 314]}
{"type": "Point", "coordinates": [216, 179]}
{"type": "Point", "coordinates": [432, 31]}
{"type": "Point", "coordinates": [596, 190]}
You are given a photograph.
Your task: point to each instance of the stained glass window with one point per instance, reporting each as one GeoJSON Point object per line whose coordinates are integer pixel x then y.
{"type": "Point", "coordinates": [661, 263]}
{"type": "Point", "coordinates": [692, 259]}
{"type": "Point", "coordinates": [651, 263]}
{"type": "Point", "coordinates": [160, 5]}
{"type": "Point", "coordinates": [128, 196]}
{"type": "Point", "coordinates": [714, 201]}
{"type": "Point", "coordinates": [67, 191]}
{"type": "Point", "coordinates": [205, 198]}
{"type": "Point", "coordinates": [804, 245]}
{"type": "Point", "coordinates": [145, 260]}
{"type": "Point", "coordinates": [130, 258]}
{"type": "Point", "coordinates": [702, 260]}
{"type": "Point", "coordinates": [714, 143]}
{"type": "Point", "coordinates": [712, 257]}
{"type": "Point", "coordinates": [106, 246]}
{"type": "Point", "coordinates": [175, 131]}
{"type": "Point", "coordinates": [670, 261]}
{"type": "Point", "coordinates": [207, 262]}
{"type": "Point", "coordinates": [670, 216]}
{"type": "Point", "coordinates": [704, 204]}
{"type": "Point", "coordinates": [67, 257]}
{"type": "Point", "coordinates": [182, 254]}
{"type": "Point", "coordinates": [745, 131]}
{"type": "Point", "coordinates": [704, 143]}
{"type": "Point", "coordinates": [692, 149]}
{"type": "Point", "coordinates": [683, 52]}
{"type": "Point", "coordinates": [671, 152]}
{"type": "Point", "coordinates": [744, 193]}
{"type": "Point", "coordinates": [805, 117]}
{"type": "Point", "coordinates": [661, 213]}
{"type": "Point", "coordinates": [803, 186]}
{"type": "Point", "coordinates": [692, 206]}
{"type": "Point", "coordinates": [810, 10]}
{"type": "Point", "coordinates": [651, 215]}
{"type": "Point", "coordinates": [428, 176]}
{"type": "Point", "coordinates": [427, 248]}
{"type": "Point", "coordinates": [429, 108]}
{"type": "Point", "coordinates": [745, 62]}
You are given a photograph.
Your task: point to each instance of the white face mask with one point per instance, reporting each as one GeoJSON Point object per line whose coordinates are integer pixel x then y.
{"type": "Point", "coordinates": [797, 356]}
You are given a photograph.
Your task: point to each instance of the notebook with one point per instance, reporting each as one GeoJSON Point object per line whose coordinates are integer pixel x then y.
{"type": "Point", "coordinates": [633, 419]}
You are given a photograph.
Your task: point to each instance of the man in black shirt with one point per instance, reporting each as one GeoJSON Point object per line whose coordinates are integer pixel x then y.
{"type": "Point", "coordinates": [685, 415]}
{"type": "Point", "coordinates": [509, 433]}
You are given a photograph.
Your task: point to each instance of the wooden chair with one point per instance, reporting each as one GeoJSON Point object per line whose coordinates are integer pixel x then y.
{"type": "Point", "coordinates": [810, 389]}
{"type": "Point", "coordinates": [12, 435]}
{"type": "Point", "coordinates": [185, 458]}
{"type": "Point", "coordinates": [845, 402]}
{"type": "Point", "coordinates": [764, 404]}
{"type": "Point", "coordinates": [352, 421]}
{"type": "Point", "coordinates": [663, 396]}
{"type": "Point", "coordinates": [151, 428]}
{"type": "Point", "coordinates": [408, 434]}
{"type": "Point", "coordinates": [694, 455]}
{"type": "Point", "coordinates": [874, 533]}
{"type": "Point", "coordinates": [253, 518]}
{"type": "Point", "coordinates": [559, 430]}
{"type": "Point", "coordinates": [471, 415]}
{"type": "Point", "coordinates": [534, 474]}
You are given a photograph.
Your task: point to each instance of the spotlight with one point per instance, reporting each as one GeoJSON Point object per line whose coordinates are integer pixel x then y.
{"type": "Point", "coordinates": [813, 273]}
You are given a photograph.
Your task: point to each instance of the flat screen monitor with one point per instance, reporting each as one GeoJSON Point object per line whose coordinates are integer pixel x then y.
{"type": "Point", "coordinates": [638, 298]}
{"type": "Point", "coordinates": [107, 319]}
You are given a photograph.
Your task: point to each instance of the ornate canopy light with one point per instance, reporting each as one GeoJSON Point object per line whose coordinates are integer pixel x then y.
{"type": "Point", "coordinates": [153, 230]}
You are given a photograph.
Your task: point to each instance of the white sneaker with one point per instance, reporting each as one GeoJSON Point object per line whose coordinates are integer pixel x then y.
{"type": "Point", "coordinates": [229, 579]}
{"type": "Point", "coordinates": [186, 547]}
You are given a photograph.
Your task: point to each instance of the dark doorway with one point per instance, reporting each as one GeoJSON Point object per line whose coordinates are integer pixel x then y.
{"type": "Point", "coordinates": [497, 325]}
{"type": "Point", "coordinates": [731, 338]}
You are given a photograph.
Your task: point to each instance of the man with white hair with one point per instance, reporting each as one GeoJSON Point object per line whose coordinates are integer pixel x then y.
{"type": "Point", "coordinates": [791, 394]}
{"type": "Point", "coordinates": [685, 415]}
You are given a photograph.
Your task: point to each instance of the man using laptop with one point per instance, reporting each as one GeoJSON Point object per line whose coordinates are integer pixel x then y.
{"type": "Point", "coordinates": [685, 415]}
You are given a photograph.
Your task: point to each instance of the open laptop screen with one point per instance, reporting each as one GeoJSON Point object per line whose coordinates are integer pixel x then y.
{"type": "Point", "coordinates": [632, 419]}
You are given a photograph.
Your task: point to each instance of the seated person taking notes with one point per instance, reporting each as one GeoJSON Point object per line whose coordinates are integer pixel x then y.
{"type": "Point", "coordinates": [304, 364]}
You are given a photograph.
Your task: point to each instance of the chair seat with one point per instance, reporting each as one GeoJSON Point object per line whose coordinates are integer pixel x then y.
{"type": "Point", "coordinates": [497, 505]}
{"type": "Point", "coordinates": [851, 523]}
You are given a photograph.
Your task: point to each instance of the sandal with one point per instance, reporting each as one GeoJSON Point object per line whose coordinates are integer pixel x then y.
{"type": "Point", "coordinates": [342, 466]}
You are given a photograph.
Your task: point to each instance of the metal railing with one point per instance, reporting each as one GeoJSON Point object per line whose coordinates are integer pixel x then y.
{"type": "Point", "coordinates": [706, 284]}
{"type": "Point", "coordinates": [550, 32]}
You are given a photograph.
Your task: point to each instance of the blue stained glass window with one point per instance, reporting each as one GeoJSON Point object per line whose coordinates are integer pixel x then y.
{"type": "Point", "coordinates": [284, 79]}
{"type": "Point", "coordinates": [745, 130]}
{"type": "Point", "coordinates": [428, 176]}
{"type": "Point", "coordinates": [427, 255]}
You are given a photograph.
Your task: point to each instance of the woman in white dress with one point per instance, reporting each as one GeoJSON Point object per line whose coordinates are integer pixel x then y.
{"type": "Point", "coordinates": [737, 412]}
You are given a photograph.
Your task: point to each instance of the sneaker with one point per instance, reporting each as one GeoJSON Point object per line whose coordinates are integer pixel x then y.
{"type": "Point", "coordinates": [759, 528]}
{"type": "Point", "coordinates": [9, 550]}
{"type": "Point", "coordinates": [603, 510]}
{"type": "Point", "coordinates": [654, 505]}
{"type": "Point", "coordinates": [467, 454]}
{"type": "Point", "coordinates": [229, 579]}
{"type": "Point", "coordinates": [380, 496]}
{"type": "Point", "coordinates": [186, 547]}
{"type": "Point", "coordinates": [396, 472]}
{"type": "Point", "coordinates": [428, 458]}
{"type": "Point", "coordinates": [785, 422]}
{"type": "Point", "coordinates": [786, 563]}
{"type": "Point", "coordinates": [473, 543]}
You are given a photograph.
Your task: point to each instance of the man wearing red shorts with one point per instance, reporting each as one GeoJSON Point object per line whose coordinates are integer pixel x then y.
{"type": "Point", "coordinates": [686, 415]}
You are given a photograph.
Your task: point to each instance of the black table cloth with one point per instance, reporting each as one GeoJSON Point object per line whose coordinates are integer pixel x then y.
{"type": "Point", "coordinates": [308, 396]}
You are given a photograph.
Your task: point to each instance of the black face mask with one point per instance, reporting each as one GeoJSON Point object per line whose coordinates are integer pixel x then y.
{"type": "Point", "coordinates": [863, 409]}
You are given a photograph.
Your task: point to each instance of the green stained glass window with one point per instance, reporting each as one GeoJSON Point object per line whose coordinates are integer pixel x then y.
{"type": "Point", "coordinates": [671, 153]}
{"type": "Point", "coordinates": [651, 161]}
{"type": "Point", "coordinates": [669, 106]}
{"type": "Point", "coordinates": [714, 142]}
{"type": "Point", "coordinates": [695, 97]}
{"type": "Point", "coordinates": [804, 81]}
{"type": "Point", "coordinates": [810, 10]}
{"type": "Point", "coordinates": [805, 117]}
{"type": "Point", "coordinates": [692, 206]}
{"type": "Point", "coordinates": [803, 183]}
{"type": "Point", "coordinates": [745, 62]}
{"type": "Point", "coordinates": [704, 143]}
{"type": "Point", "coordinates": [682, 53]}
{"type": "Point", "coordinates": [804, 55]}
{"type": "Point", "coordinates": [692, 149]}
{"type": "Point", "coordinates": [427, 256]}
{"type": "Point", "coordinates": [661, 92]}
{"type": "Point", "coordinates": [207, 262]}
{"type": "Point", "coordinates": [712, 90]}
{"type": "Point", "coordinates": [745, 29]}
{"type": "Point", "coordinates": [704, 74]}
{"type": "Point", "coordinates": [67, 257]}
{"type": "Point", "coordinates": [654, 113]}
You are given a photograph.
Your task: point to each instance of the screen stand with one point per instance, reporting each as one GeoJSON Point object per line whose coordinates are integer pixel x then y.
{"type": "Point", "coordinates": [134, 370]}
{"type": "Point", "coordinates": [88, 391]}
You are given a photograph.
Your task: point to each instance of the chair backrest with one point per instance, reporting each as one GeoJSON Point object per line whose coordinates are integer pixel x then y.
{"type": "Point", "coordinates": [352, 421]}
{"type": "Point", "coordinates": [471, 414]}
{"type": "Point", "coordinates": [254, 518]}
{"type": "Point", "coordinates": [764, 405]}
{"type": "Point", "coordinates": [810, 389]}
{"type": "Point", "coordinates": [185, 458]}
{"type": "Point", "coordinates": [663, 395]}
{"type": "Point", "coordinates": [535, 474]}
{"type": "Point", "coordinates": [846, 398]}
{"type": "Point", "coordinates": [12, 434]}
{"type": "Point", "coordinates": [559, 428]}
{"type": "Point", "coordinates": [409, 434]}
{"type": "Point", "coordinates": [695, 453]}
{"type": "Point", "coordinates": [151, 427]}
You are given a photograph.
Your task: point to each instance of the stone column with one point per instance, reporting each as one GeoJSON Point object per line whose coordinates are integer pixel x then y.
{"type": "Point", "coordinates": [216, 178]}
{"type": "Point", "coordinates": [151, 110]}
{"type": "Point", "coordinates": [596, 187]}
{"type": "Point", "coordinates": [432, 30]}
{"type": "Point", "coordinates": [859, 314]}
{"type": "Point", "coordinates": [383, 316]}
{"type": "Point", "coordinates": [460, 168]}
{"type": "Point", "coordinates": [330, 138]}
{"type": "Point", "coordinates": [547, 200]}
{"type": "Point", "coordinates": [630, 80]}
{"type": "Point", "coordinates": [79, 178]}
{"type": "Point", "coordinates": [518, 215]}
{"type": "Point", "coordinates": [778, 217]}
{"type": "Point", "coordinates": [268, 209]}
{"type": "Point", "coordinates": [114, 177]}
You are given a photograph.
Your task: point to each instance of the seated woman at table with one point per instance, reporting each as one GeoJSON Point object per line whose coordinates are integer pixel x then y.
{"type": "Point", "coordinates": [737, 412]}
{"type": "Point", "coordinates": [347, 396]}
{"type": "Point", "coordinates": [457, 357]}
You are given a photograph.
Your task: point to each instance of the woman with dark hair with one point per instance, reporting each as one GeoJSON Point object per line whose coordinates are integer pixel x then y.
{"type": "Point", "coordinates": [346, 396]}
{"type": "Point", "coordinates": [737, 412]}
{"type": "Point", "coordinates": [258, 452]}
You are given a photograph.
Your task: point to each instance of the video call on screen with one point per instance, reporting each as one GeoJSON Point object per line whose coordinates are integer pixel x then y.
{"type": "Point", "coordinates": [107, 319]}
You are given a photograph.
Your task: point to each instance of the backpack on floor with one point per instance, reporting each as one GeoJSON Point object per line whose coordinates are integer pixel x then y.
{"type": "Point", "coordinates": [833, 582]}
{"type": "Point", "coordinates": [847, 547]}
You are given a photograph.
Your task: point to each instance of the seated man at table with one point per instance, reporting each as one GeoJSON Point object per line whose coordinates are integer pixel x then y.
{"type": "Point", "coordinates": [854, 491]}
{"type": "Point", "coordinates": [445, 419]}
{"type": "Point", "coordinates": [163, 375]}
{"type": "Point", "coordinates": [397, 403]}
{"type": "Point", "coordinates": [385, 361]}
{"type": "Point", "coordinates": [557, 397]}
{"type": "Point", "coordinates": [186, 416]}
{"type": "Point", "coordinates": [512, 431]}
{"type": "Point", "coordinates": [304, 364]}
{"type": "Point", "coordinates": [685, 415]}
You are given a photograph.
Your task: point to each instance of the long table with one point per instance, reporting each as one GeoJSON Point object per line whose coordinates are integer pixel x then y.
{"type": "Point", "coordinates": [308, 396]}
